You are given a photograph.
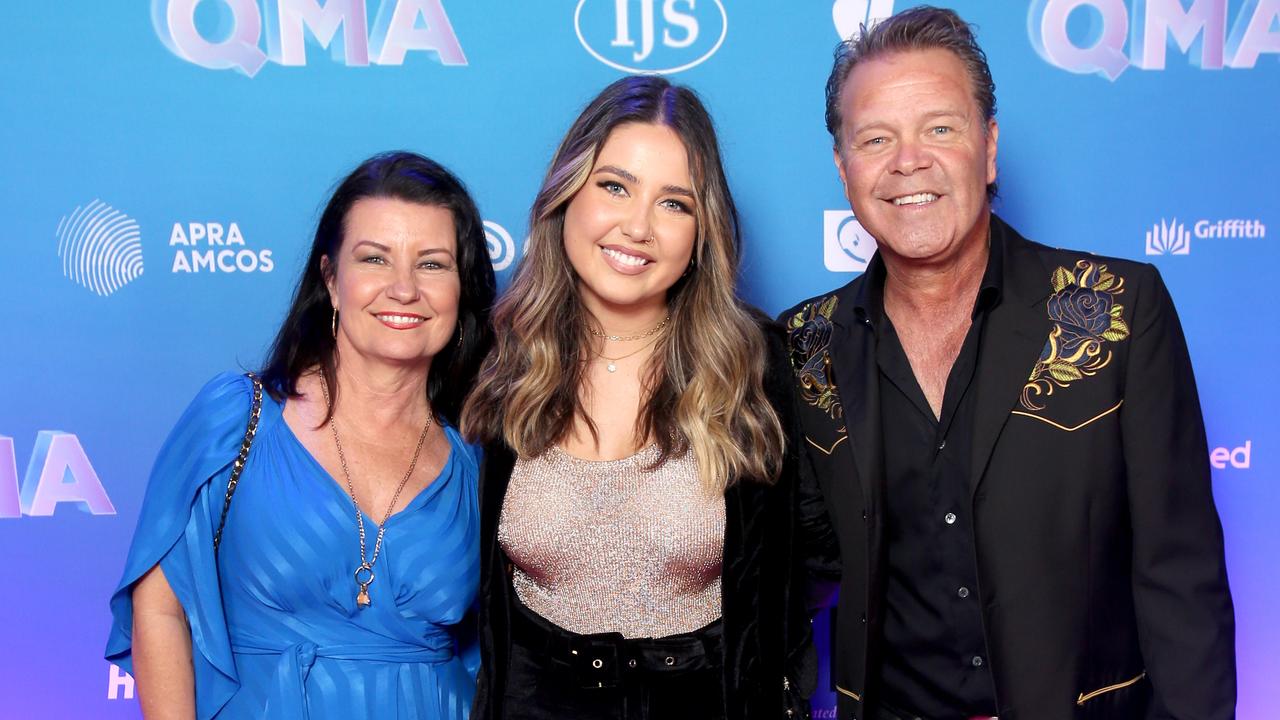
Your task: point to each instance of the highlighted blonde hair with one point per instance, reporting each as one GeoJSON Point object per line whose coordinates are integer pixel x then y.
{"type": "Point", "coordinates": [703, 386]}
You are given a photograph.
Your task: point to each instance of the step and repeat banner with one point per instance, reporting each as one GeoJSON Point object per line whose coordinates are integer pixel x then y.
{"type": "Point", "coordinates": [164, 163]}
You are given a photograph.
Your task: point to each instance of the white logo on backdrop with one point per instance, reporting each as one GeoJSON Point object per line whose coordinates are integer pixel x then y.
{"type": "Point", "coordinates": [215, 248]}
{"type": "Point", "coordinates": [642, 42]}
{"type": "Point", "coordinates": [502, 249]}
{"type": "Point", "coordinates": [1173, 237]}
{"type": "Point", "coordinates": [1168, 238]}
{"type": "Point", "coordinates": [846, 246]}
{"type": "Point", "coordinates": [851, 15]}
{"type": "Point", "coordinates": [100, 247]}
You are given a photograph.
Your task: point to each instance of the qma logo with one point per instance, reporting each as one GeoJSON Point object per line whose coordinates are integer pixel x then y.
{"type": "Point", "coordinates": [1088, 36]}
{"type": "Point", "coordinates": [59, 472]}
{"type": "Point", "coordinates": [214, 247]}
{"type": "Point", "coordinates": [851, 16]}
{"type": "Point", "coordinates": [1173, 238]}
{"type": "Point", "coordinates": [225, 34]}
{"type": "Point", "coordinates": [100, 247]}
{"type": "Point", "coordinates": [629, 36]}
{"type": "Point", "coordinates": [846, 245]}
{"type": "Point", "coordinates": [1239, 458]}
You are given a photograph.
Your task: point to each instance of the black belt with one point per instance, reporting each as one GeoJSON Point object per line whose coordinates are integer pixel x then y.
{"type": "Point", "coordinates": [608, 659]}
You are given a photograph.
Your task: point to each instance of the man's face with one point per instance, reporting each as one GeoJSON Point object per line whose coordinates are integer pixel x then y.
{"type": "Point", "coordinates": [916, 154]}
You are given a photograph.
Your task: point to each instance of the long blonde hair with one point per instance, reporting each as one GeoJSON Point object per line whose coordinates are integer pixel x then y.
{"type": "Point", "coordinates": [703, 385]}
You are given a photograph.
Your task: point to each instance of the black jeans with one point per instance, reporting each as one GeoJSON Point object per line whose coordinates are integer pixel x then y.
{"type": "Point", "coordinates": [558, 675]}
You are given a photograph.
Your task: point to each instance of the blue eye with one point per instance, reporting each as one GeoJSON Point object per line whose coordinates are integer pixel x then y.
{"type": "Point", "coordinates": [677, 206]}
{"type": "Point", "coordinates": [612, 187]}
{"type": "Point", "coordinates": [942, 130]}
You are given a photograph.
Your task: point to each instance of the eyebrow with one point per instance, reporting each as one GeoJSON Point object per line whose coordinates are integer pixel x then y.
{"type": "Point", "coordinates": [615, 170]}
{"type": "Point", "coordinates": [384, 248]}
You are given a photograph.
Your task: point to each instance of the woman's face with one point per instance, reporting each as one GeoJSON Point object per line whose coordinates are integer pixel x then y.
{"type": "Point", "coordinates": [395, 280]}
{"type": "Point", "coordinates": [630, 231]}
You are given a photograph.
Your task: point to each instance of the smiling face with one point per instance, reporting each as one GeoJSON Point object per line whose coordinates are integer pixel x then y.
{"type": "Point", "coordinates": [630, 231]}
{"type": "Point", "coordinates": [395, 281]}
{"type": "Point", "coordinates": [916, 155]}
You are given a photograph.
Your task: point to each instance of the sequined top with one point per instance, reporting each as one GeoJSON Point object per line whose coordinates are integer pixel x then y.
{"type": "Point", "coordinates": [604, 546]}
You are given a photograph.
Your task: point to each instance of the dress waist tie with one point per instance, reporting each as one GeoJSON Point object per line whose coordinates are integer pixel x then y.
{"type": "Point", "coordinates": [287, 699]}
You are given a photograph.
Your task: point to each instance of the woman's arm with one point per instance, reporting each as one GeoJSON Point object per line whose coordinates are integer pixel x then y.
{"type": "Point", "coordinates": [162, 651]}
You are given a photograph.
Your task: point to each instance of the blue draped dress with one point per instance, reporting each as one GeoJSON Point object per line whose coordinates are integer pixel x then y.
{"type": "Point", "coordinates": [275, 630]}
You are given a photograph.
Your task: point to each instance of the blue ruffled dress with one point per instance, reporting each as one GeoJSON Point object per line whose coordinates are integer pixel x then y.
{"type": "Point", "coordinates": [275, 629]}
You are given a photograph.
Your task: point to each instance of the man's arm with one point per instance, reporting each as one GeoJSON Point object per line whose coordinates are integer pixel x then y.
{"type": "Point", "coordinates": [1185, 616]}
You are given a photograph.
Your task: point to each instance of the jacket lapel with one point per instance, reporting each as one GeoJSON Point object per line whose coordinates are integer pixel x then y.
{"type": "Point", "coordinates": [854, 366]}
{"type": "Point", "coordinates": [1014, 336]}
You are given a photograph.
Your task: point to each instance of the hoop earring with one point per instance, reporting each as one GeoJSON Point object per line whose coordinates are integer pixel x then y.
{"type": "Point", "coordinates": [333, 326]}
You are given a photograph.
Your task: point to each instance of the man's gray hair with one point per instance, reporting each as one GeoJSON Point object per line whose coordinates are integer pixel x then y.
{"type": "Point", "coordinates": [918, 28]}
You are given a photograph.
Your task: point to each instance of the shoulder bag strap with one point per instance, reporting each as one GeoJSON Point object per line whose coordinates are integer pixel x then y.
{"type": "Point", "coordinates": [255, 409]}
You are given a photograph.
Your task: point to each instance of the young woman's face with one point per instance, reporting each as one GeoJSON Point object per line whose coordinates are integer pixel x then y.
{"type": "Point", "coordinates": [630, 231]}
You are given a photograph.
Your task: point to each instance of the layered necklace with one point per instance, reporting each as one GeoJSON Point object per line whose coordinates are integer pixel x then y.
{"type": "Point", "coordinates": [364, 573]}
{"type": "Point", "coordinates": [612, 362]}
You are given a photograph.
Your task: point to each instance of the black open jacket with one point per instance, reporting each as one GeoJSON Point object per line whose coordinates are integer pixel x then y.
{"type": "Point", "coordinates": [768, 663]}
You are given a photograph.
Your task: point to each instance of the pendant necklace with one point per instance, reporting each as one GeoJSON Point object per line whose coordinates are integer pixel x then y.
{"type": "Point", "coordinates": [364, 573]}
{"type": "Point", "coordinates": [612, 364]}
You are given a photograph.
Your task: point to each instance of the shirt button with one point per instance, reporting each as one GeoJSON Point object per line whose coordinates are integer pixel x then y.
{"type": "Point", "coordinates": [950, 518]}
{"type": "Point", "coordinates": [963, 592]}
{"type": "Point", "coordinates": [977, 661]}
{"type": "Point", "coordinates": [942, 445]}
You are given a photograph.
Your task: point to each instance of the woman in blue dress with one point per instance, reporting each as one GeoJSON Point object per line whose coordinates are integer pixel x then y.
{"type": "Point", "coordinates": [343, 581]}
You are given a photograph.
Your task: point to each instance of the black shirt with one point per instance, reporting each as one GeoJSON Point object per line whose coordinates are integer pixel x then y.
{"type": "Point", "coordinates": [933, 654]}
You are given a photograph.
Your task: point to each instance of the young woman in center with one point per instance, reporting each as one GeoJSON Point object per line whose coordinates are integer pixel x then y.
{"type": "Point", "coordinates": [637, 509]}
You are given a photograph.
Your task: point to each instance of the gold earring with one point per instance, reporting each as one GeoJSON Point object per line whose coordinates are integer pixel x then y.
{"type": "Point", "coordinates": [333, 327]}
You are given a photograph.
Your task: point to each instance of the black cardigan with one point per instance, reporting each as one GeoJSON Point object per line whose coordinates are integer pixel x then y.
{"type": "Point", "coordinates": [766, 624]}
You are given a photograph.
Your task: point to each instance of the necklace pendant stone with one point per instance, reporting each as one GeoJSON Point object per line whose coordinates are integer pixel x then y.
{"type": "Point", "coordinates": [611, 367]}
{"type": "Point", "coordinates": [362, 598]}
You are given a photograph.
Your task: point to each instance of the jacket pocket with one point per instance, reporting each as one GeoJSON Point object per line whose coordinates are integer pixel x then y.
{"type": "Point", "coordinates": [1087, 696]}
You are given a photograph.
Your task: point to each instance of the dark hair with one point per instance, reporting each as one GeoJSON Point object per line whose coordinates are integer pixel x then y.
{"type": "Point", "coordinates": [918, 28]}
{"type": "Point", "coordinates": [305, 339]}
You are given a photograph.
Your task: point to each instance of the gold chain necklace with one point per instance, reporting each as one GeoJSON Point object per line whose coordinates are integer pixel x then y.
{"type": "Point", "coordinates": [612, 365]}
{"type": "Point", "coordinates": [624, 338]}
{"type": "Point", "coordinates": [364, 573]}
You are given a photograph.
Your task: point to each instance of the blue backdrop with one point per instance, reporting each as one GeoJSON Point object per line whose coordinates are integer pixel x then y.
{"type": "Point", "coordinates": [164, 163]}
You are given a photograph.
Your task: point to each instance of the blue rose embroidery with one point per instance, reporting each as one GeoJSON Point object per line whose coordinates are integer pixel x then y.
{"type": "Point", "coordinates": [1085, 317]}
{"type": "Point", "coordinates": [809, 339]}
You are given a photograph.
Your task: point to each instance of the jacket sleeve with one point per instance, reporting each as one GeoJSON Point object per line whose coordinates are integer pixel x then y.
{"type": "Point", "coordinates": [1185, 617]}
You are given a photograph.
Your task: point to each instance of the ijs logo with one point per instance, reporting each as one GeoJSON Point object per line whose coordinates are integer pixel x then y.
{"type": "Point", "coordinates": [847, 246]}
{"type": "Point", "coordinates": [100, 247]}
{"type": "Point", "coordinates": [850, 16]}
{"type": "Point", "coordinates": [223, 34]}
{"type": "Point", "coordinates": [1168, 238]}
{"type": "Point", "coordinates": [59, 472]}
{"type": "Point", "coordinates": [1088, 36]}
{"type": "Point", "coordinates": [629, 35]}
{"type": "Point", "coordinates": [1173, 238]}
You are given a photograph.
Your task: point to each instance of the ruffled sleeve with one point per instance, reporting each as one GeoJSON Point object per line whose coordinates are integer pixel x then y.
{"type": "Point", "coordinates": [175, 529]}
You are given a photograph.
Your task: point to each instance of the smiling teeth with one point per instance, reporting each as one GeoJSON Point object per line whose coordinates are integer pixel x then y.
{"type": "Point", "coordinates": [401, 319]}
{"type": "Point", "coordinates": [917, 199]}
{"type": "Point", "coordinates": [624, 258]}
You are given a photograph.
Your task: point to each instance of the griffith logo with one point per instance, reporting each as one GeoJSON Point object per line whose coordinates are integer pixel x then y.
{"type": "Point", "coordinates": [1168, 238]}
{"type": "Point", "coordinates": [632, 36]}
{"type": "Point", "coordinates": [851, 16]}
{"type": "Point", "coordinates": [846, 246]}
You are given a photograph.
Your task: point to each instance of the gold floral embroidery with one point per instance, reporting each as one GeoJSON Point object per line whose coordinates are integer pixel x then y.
{"type": "Point", "coordinates": [1085, 317]}
{"type": "Point", "coordinates": [809, 338]}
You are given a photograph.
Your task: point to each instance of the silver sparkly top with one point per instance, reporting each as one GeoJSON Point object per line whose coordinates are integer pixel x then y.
{"type": "Point", "coordinates": [603, 546]}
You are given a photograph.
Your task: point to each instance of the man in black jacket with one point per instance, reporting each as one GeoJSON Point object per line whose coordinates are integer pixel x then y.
{"type": "Point", "coordinates": [1007, 436]}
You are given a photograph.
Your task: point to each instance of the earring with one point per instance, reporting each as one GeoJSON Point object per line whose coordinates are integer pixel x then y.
{"type": "Point", "coordinates": [333, 327]}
